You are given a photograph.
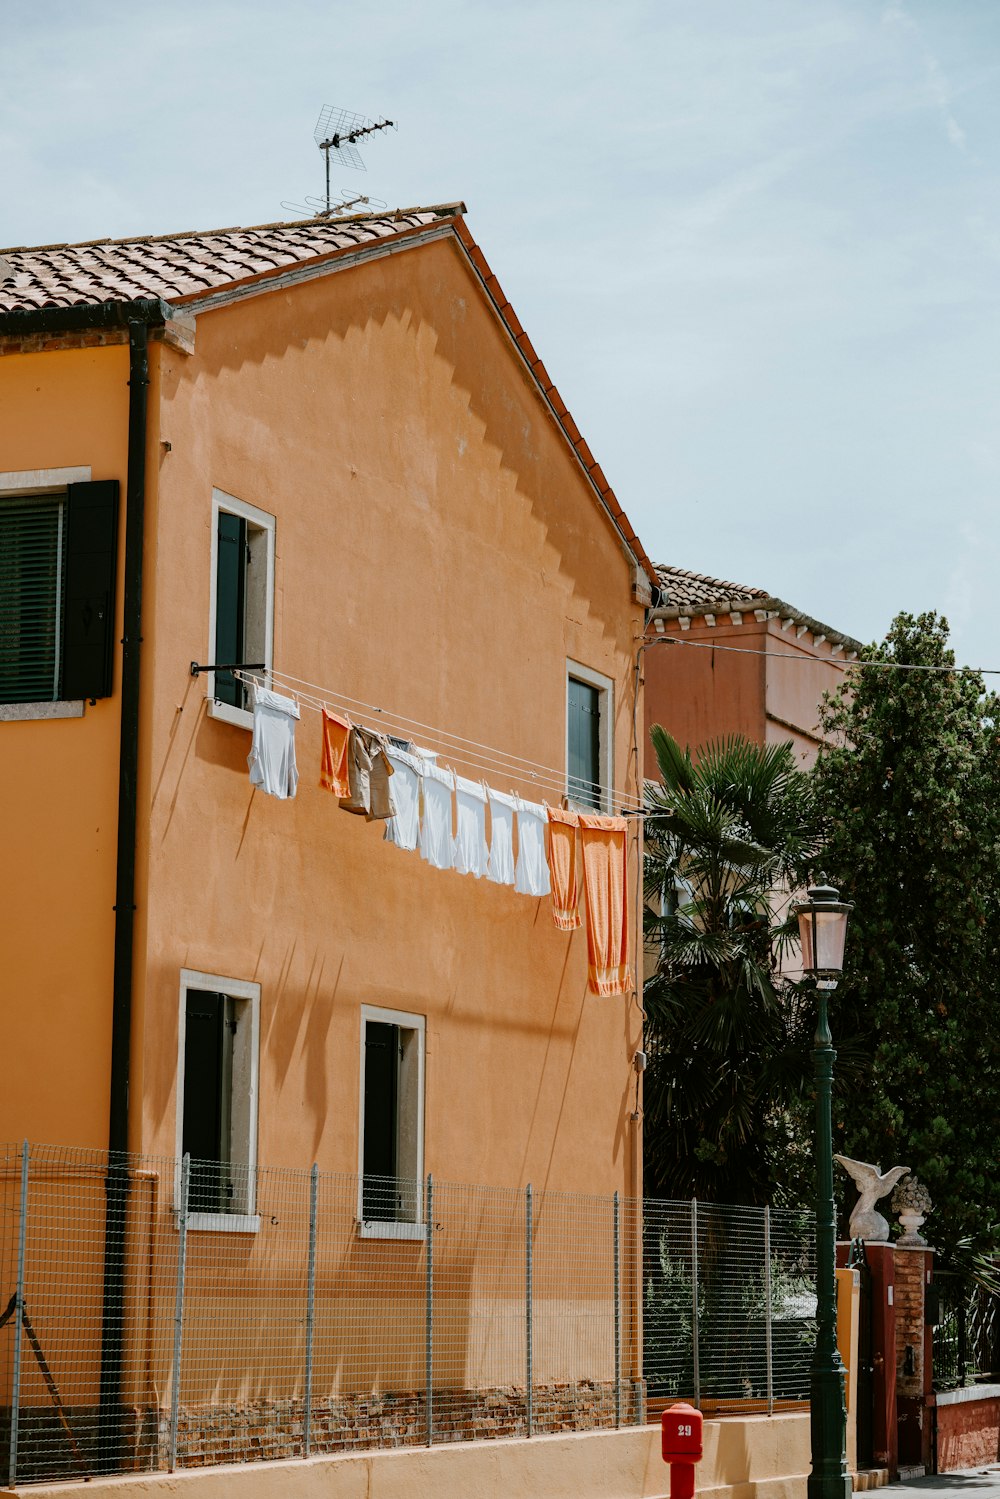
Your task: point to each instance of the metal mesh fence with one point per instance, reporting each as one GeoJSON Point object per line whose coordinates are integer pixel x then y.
{"type": "Point", "coordinates": [162, 1314]}
{"type": "Point", "coordinates": [729, 1306]}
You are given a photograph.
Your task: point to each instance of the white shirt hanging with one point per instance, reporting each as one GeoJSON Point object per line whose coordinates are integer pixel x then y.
{"type": "Point", "coordinates": [470, 853]}
{"type": "Point", "coordinates": [500, 867]}
{"type": "Point", "coordinates": [407, 775]}
{"type": "Point", "coordinates": [272, 752]}
{"type": "Point", "coordinates": [531, 877]}
{"type": "Point", "coordinates": [436, 842]}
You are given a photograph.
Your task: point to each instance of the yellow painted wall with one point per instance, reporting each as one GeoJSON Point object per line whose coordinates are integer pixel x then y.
{"type": "Point", "coordinates": [61, 409]}
{"type": "Point", "coordinates": [439, 553]}
{"type": "Point", "coordinates": [752, 1458]}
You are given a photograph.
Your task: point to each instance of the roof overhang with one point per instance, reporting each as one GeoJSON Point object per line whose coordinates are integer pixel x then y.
{"type": "Point", "coordinates": [763, 609]}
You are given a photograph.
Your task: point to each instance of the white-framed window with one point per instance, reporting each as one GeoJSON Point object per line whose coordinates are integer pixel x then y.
{"type": "Point", "coordinates": [589, 738]}
{"type": "Point", "coordinates": [58, 548]}
{"type": "Point", "coordinates": [391, 1126]}
{"type": "Point", "coordinates": [217, 1087]}
{"type": "Point", "coordinates": [241, 605]}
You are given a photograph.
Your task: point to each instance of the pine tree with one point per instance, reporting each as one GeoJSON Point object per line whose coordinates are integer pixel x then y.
{"type": "Point", "coordinates": [910, 795]}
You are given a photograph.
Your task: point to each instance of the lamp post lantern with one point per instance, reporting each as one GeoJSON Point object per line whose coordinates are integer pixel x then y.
{"type": "Point", "coordinates": [823, 931]}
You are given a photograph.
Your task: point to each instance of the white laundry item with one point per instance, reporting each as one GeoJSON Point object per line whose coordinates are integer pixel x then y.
{"type": "Point", "coordinates": [272, 753]}
{"type": "Point", "coordinates": [407, 774]}
{"type": "Point", "coordinates": [436, 843]}
{"type": "Point", "coordinates": [500, 868]}
{"type": "Point", "coordinates": [471, 853]}
{"type": "Point", "coordinates": [531, 877]}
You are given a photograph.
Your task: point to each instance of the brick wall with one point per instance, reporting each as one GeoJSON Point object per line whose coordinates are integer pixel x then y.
{"type": "Point", "coordinates": [968, 1434]}
{"type": "Point", "coordinates": [255, 1431]}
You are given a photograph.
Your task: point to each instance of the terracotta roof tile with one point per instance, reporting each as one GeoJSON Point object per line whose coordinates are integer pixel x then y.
{"type": "Point", "coordinates": [173, 266]}
{"type": "Point", "coordinates": [687, 590]}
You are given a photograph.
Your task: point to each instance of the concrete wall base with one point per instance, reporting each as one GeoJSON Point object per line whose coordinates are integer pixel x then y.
{"type": "Point", "coordinates": [758, 1457]}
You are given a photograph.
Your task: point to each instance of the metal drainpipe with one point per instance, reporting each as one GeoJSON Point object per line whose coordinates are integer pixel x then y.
{"type": "Point", "coordinates": [117, 1186]}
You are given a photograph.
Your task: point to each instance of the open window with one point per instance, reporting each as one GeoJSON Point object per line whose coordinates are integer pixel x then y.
{"type": "Point", "coordinates": [242, 602]}
{"type": "Point", "coordinates": [217, 1098]}
{"type": "Point", "coordinates": [58, 556]}
{"type": "Point", "coordinates": [589, 738]}
{"type": "Point", "coordinates": [392, 1123]}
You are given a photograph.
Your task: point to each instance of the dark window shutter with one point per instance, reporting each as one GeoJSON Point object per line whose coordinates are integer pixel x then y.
{"type": "Point", "coordinates": [380, 1120]}
{"type": "Point", "coordinates": [89, 610]}
{"type": "Point", "coordinates": [230, 586]}
{"type": "Point", "coordinates": [584, 713]}
{"type": "Point", "coordinates": [204, 1137]}
{"type": "Point", "coordinates": [31, 596]}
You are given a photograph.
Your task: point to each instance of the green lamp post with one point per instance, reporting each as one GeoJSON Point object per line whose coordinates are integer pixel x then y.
{"type": "Point", "coordinates": [823, 932]}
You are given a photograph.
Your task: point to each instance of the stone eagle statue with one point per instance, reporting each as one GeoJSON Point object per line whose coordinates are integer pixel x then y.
{"type": "Point", "coordinates": [866, 1223]}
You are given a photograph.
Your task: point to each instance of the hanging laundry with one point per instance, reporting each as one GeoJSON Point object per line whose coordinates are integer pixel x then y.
{"type": "Point", "coordinates": [382, 804]}
{"type": "Point", "coordinates": [272, 751]}
{"type": "Point", "coordinates": [369, 770]}
{"type": "Point", "coordinates": [359, 769]}
{"type": "Point", "coordinates": [333, 773]}
{"type": "Point", "coordinates": [563, 828]}
{"type": "Point", "coordinates": [531, 876]}
{"type": "Point", "coordinates": [470, 852]}
{"type": "Point", "coordinates": [602, 850]}
{"type": "Point", "coordinates": [500, 867]}
{"type": "Point", "coordinates": [403, 829]}
{"type": "Point", "coordinates": [436, 826]}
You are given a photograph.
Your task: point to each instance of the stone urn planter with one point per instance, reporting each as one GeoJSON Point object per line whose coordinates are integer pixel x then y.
{"type": "Point", "coordinates": [912, 1202]}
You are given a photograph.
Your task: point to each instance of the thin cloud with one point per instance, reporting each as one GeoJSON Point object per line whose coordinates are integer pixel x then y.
{"type": "Point", "coordinates": [895, 14]}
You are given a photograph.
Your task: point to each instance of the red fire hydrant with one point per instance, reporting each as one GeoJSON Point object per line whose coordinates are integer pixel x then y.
{"type": "Point", "coordinates": [681, 1446]}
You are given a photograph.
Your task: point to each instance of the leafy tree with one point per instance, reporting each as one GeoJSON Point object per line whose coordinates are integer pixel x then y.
{"type": "Point", "coordinates": [910, 795]}
{"type": "Point", "coordinates": [727, 1037]}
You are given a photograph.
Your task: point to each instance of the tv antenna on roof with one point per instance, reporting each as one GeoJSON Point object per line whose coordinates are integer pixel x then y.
{"type": "Point", "coordinates": [337, 134]}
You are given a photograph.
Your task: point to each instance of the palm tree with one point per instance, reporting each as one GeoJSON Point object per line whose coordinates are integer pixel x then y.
{"type": "Point", "coordinates": [727, 1041]}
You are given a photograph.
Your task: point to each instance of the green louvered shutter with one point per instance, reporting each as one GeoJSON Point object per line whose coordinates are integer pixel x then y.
{"type": "Point", "coordinates": [584, 736]}
{"type": "Point", "coordinates": [230, 604]}
{"type": "Point", "coordinates": [32, 556]}
{"type": "Point", "coordinates": [88, 615]}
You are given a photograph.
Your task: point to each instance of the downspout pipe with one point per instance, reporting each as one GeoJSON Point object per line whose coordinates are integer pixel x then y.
{"type": "Point", "coordinates": [137, 317]}
{"type": "Point", "coordinates": [116, 1199]}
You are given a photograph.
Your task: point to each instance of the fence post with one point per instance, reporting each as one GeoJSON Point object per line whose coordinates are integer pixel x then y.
{"type": "Point", "coordinates": [529, 1350]}
{"type": "Point", "coordinates": [175, 1379]}
{"type": "Point", "coordinates": [618, 1314]}
{"type": "Point", "coordinates": [310, 1310]}
{"type": "Point", "coordinates": [694, 1301]}
{"type": "Point", "coordinates": [22, 1239]}
{"type": "Point", "coordinates": [429, 1319]}
{"type": "Point", "coordinates": [767, 1302]}
{"type": "Point", "coordinates": [638, 1334]}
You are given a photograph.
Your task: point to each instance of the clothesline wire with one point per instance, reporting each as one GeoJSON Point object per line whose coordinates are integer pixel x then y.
{"type": "Point", "coordinates": [396, 726]}
{"type": "Point", "coordinates": [745, 650]}
{"type": "Point", "coordinates": [416, 723]}
{"type": "Point", "coordinates": [549, 781]}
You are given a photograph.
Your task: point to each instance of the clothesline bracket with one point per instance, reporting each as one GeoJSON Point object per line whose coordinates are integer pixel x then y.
{"type": "Point", "coordinates": [196, 670]}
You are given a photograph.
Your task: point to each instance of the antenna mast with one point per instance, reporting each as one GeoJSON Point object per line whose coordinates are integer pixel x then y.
{"type": "Point", "coordinates": [337, 131]}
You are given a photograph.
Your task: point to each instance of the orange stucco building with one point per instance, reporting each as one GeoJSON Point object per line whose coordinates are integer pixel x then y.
{"type": "Point", "coordinates": [424, 531]}
{"type": "Point", "coordinates": [724, 658]}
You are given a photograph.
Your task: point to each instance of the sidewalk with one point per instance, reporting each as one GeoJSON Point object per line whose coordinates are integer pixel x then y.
{"type": "Point", "coordinates": [978, 1483]}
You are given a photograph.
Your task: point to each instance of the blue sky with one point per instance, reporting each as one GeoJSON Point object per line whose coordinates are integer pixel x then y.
{"type": "Point", "coordinates": [756, 242]}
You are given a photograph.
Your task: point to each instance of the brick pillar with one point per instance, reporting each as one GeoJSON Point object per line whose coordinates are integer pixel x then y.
{"type": "Point", "coordinates": [881, 1258]}
{"type": "Point", "coordinates": [913, 1356]}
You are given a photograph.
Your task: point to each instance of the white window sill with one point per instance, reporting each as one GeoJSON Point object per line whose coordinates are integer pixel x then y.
{"type": "Point", "coordinates": [15, 712]}
{"type": "Point", "coordinates": [242, 718]}
{"type": "Point", "coordinates": [221, 1223]}
{"type": "Point", "coordinates": [386, 1228]}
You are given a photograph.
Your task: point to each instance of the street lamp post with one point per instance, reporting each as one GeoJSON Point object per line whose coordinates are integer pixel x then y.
{"type": "Point", "coordinates": [823, 931]}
